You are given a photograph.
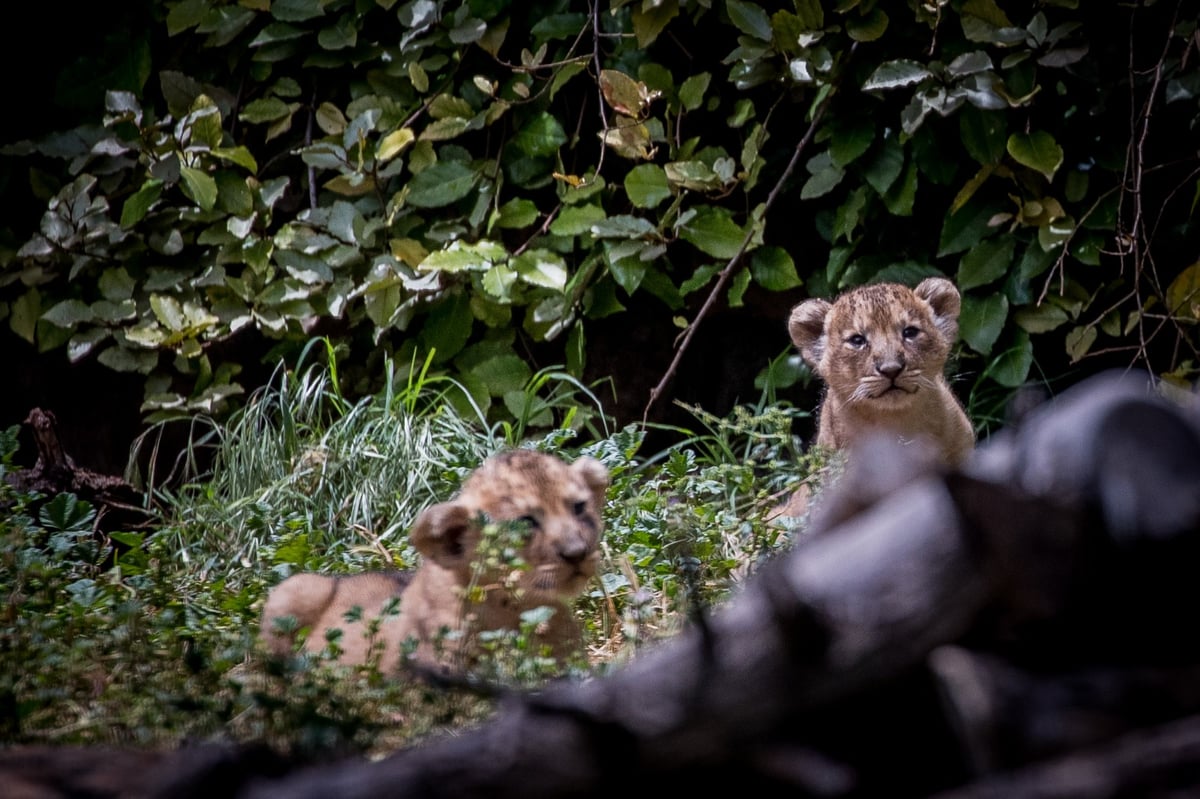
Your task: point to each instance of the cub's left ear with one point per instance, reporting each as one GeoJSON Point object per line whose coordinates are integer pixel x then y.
{"type": "Point", "coordinates": [595, 476]}
{"type": "Point", "coordinates": [443, 532]}
{"type": "Point", "coordinates": [943, 297]}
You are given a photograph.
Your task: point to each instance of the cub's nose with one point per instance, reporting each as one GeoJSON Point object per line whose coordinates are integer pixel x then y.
{"type": "Point", "coordinates": [573, 552]}
{"type": "Point", "coordinates": [890, 369]}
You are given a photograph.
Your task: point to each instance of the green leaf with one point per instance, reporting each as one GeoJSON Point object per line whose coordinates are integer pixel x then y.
{"type": "Point", "coordinates": [339, 35]}
{"type": "Point", "coordinates": [237, 155]}
{"type": "Point", "coordinates": [966, 227]}
{"type": "Point", "coordinates": [896, 74]}
{"type": "Point", "coordinates": [774, 269]}
{"type": "Point", "coordinates": [26, 310]}
{"type": "Point", "coordinates": [985, 262]}
{"type": "Point", "coordinates": [69, 313]}
{"type": "Point", "coordinates": [692, 91]}
{"type": "Point", "coordinates": [541, 268]}
{"type": "Point", "coordinates": [647, 185]}
{"type": "Point", "coordinates": [983, 134]}
{"type": "Point", "coordinates": [297, 10]}
{"type": "Point", "coordinates": [1037, 150]}
{"type": "Point", "coordinates": [901, 197]}
{"type": "Point", "coordinates": [649, 20]}
{"type": "Point", "coordinates": [869, 27]}
{"type": "Point", "coordinates": [1079, 341]}
{"type": "Point", "coordinates": [443, 183]}
{"type": "Point", "coordinates": [1041, 318]}
{"type": "Point", "coordinates": [199, 186]}
{"type": "Point", "coordinates": [461, 256]}
{"type": "Point", "coordinates": [186, 14]}
{"type": "Point", "coordinates": [1011, 367]}
{"type": "Point", "coordinates": [886, 165]}
{"type": "Point", "coordinates": [1183, 295]}
{"type": "Point", "coordinates": [502, 372]}
{"type": "Point", "coordinates": [394, 143]}
{"type": "Point", "coordinates": [540, 136]}
{"type": "Point", "coordinates": [139, 203]}
{"type": "Point", "coordinates": [750, 19]}
{"type": "Point", "coordinates": [577, 220]}
{"type": "Point", "coordinates": [265, 109]}
{"type": "Point", "coordinates": [448, 327]}
{"type": "Point", "coordinates": [713, 232]}
{"type": "Point", "coordinates": [515, 214]}
{"type": "Point", "coordinates": [849, 140]}
{"type": "Point", "coordinates": [981, 321]}
{"type": "Point", "coordinates": [825, 177]}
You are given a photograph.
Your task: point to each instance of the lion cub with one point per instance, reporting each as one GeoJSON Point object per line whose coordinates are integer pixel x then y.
{"type": "Point", "coordinates": [545, 512]}
{"type": "Point", "coordinates": [881, 351]}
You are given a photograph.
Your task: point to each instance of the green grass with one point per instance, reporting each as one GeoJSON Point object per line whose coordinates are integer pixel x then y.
{"type": "Point", "coordinates": [161, 646]}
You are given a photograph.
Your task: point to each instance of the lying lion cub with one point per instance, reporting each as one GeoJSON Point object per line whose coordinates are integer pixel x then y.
{"type": "Point", "coordinates": [550, 513]}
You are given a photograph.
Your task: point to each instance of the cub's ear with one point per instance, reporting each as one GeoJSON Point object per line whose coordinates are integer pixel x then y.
{"type": "Point", "coordinates": [806, 326]}
{"type": "Point", "coordinates": [595, 476]}
{"type": "Point", "coordinates": [443, 533]}
{"type": "Point", "coordinates": [943, 297]}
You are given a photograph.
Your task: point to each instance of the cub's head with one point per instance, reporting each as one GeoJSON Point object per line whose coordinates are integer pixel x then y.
{"type": "Point", "coordinates": [547, 511]}
{"type": "Point", "coordinates": [881, 343]}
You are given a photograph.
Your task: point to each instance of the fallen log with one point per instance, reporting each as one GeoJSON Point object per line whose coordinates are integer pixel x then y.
{"type": "Point", "coordinates": [1067, 549]}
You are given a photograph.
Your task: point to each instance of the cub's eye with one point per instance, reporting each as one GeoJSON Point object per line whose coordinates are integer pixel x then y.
{"type": "Point", "coordinates": [857, 341]}
{"type": "Point", "coordinates": [910, 332]}
{"type": "Point", "coordinates": [579, 508]}
{"type": "Point", "coordinates": [529, 521]}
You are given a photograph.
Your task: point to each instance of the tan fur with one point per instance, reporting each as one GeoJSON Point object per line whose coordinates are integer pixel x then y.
{"type": "Point", "coordinates": [881, 351]}
{"type": "Point", "coordinates": [558, 507]}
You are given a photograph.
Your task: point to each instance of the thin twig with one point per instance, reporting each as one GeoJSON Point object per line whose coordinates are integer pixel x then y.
{"type": "Point", "coordinates": [736, 260]}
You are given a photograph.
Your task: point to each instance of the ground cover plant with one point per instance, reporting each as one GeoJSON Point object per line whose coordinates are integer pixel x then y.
{"type": "Point", "coordinates": [149, 638]}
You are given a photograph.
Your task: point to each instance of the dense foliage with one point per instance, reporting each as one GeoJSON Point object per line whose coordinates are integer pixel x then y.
{"type": "Point", "coordinates": [469, 186]}
{"type": "Point", "coordinates": [149, 638]}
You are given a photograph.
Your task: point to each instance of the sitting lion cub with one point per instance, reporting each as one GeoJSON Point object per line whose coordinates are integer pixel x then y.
{"type": "Point", "coordinates": [551, 513]}
{"type": "Point", "coordinates": [881, 351]}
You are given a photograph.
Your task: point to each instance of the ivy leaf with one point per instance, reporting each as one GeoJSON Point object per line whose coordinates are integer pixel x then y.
{"type": "Point", "coordinates": [981, 321]}
{"type": "Point", "coordinates": [1037, 150]}
{"type": "Point", "coordinates": [443, 183]}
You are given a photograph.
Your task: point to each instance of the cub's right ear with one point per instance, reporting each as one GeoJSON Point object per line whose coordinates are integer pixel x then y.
{"type": "Point", "coordinates": [443, 533]}
{"type": "Point", "coordinates": [807, 329]}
